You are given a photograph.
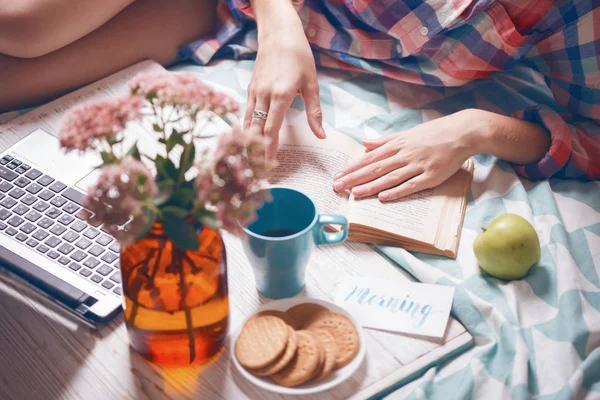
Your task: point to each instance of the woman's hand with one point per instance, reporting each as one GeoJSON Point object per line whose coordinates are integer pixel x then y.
{"type": "Point", "coordinates": [423, 157]}
{"type": "Point", "coordinates": [284, 68]}
{"type": "Point", "coordinates": [403, 163]}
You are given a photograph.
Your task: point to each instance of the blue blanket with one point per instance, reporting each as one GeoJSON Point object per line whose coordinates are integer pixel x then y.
{"type": "Point", "coordinates": [535, 337]}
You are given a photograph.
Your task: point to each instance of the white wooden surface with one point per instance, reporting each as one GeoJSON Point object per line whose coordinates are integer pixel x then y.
{"type": "Point", "coordinates": [46, 356]}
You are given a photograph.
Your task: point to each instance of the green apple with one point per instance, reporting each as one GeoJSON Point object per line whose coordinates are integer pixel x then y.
{"type": "Point", "coordinates": [508, 247]}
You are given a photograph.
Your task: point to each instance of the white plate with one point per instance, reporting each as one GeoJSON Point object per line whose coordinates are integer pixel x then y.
{"type": "Point", "coordinates": [335, 378]}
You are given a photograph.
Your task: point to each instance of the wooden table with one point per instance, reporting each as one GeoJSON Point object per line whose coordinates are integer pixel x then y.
{"type": "Point", "coordinates": [47, 356]}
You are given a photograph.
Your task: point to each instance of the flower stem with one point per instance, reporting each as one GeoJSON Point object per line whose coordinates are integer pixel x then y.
{"type": "Point", "coordinates": [193, 267]}
{"type": "Point", "coordinates": [153, 208]}
{"type": "Point", "coordinates": [156, 264]}
{"type": "Point", "coordinates": [138, 286]}
{"type": "Point", "coordinates": [178, 258]}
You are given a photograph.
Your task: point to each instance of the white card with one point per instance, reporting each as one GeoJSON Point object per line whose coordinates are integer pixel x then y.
{"type": "Point", "coordinates": [400, 306]}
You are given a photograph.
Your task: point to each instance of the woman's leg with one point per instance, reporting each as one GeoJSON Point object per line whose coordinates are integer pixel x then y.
{"type": "Point", "coordinates": [147, 29]}
{"type": "Point", "coordinates": [33, 28]}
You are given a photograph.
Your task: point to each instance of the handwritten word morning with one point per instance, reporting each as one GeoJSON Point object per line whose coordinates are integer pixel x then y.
{"type": "Point", "coordinates": [417, 311]}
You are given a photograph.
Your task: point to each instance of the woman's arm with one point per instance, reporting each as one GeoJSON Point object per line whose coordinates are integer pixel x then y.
{"type": "Point", "coordinates": [423, 157]}
{"type": "Point", "coordinates": [510, 139]}
{"type": "Point", "coordinates": [32, 28]}
{"type": "Point", "coordinates": [284, 68]}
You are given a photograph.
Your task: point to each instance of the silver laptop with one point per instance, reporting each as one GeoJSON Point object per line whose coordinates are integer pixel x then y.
{"type": "Point", "coordinates": [45, 242]}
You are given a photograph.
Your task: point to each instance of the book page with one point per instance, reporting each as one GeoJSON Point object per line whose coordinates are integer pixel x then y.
{"type": "Point", "coordinates": [416, 217]}
{"type": "Point", "coordinates": [309, 164]}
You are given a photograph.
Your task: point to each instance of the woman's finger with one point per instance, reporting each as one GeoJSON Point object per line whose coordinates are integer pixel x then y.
{"type": "Point", "coordinates": [368, 173]}
{"type": "Point", "coordinates": [371, 144]}
{"type": "Point", "coordinates": [414, 185]}
{"type": "Point", "coordinates": [277, 109]}
{"type": "Point", "coordinates": [312, 104]}
{"type": "Point", "coordinates": [257, 118]}
{"type": "Point", "coordinates": [390, 180]}
{"type": "Point", "coordinates": [369, 158]}
{"type": "Point", "coordinates": [249, 108]}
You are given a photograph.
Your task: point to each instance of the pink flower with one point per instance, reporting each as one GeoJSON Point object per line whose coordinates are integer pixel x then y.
{"type": "Point", "coordinates": [89, 123]}
{"type": "Point", "coordinates": [120, 195]}
{"type": "Point", "coordinates": [229, 184]}
{"type": "Point", "coordinates": [181, 88]}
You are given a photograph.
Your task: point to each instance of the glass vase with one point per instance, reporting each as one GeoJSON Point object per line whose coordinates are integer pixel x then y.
{"type": "Point", "coordinates": [176, 301]}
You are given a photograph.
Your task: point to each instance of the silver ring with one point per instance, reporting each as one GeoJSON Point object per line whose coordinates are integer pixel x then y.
{"type": "Point", "coordinates": [259, 114]}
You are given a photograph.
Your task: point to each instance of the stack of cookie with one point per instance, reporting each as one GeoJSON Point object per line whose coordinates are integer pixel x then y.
{"type": "Point", "coordinates": [305, 343]}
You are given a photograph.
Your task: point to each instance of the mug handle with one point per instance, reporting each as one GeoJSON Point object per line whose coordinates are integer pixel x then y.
{"type": "Point", "coordinates": [323, 237]}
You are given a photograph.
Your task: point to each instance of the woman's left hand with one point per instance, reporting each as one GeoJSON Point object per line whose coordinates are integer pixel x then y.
{"type": "Point", "coordinates": [403, 163]}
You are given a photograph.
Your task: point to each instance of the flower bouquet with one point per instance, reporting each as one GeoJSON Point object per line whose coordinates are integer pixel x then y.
{"type": "Point", "coordinates": [166, 209]}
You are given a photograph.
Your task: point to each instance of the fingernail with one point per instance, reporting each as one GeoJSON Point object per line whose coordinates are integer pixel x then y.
{"type": "Point", "coordinates": [384, 196]}
{"type": "Point", "coordinates": [338, 175]}
{"type": "Point", "coordinates": [357, 193]}
{"type": "Point", "coordinates": [339, 185]}
{"type": "Point", "coordinates": [322, 132]}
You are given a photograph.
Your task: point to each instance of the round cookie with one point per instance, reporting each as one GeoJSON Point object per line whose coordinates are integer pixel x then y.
{"type": "Point", "coordinates": [344, 332]}
{"type": "Point", "coordinates": [321, 363]}
{"type": "Point", "coordinates": [330, 351]}
{"type": "Point", "coordinates": [303, 366]}
{"type": "Point", "coordinates": [261, 341]}
{"type": "Point", "coordinates": [303, 314]}
{"type": "Point", "coordinates": [279, 314]}
{"type": "Point", "coordinates": [284, 359]}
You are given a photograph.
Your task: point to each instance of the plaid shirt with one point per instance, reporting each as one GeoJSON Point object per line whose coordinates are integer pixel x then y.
{"type": "Point", "coordinates": [449, 43]}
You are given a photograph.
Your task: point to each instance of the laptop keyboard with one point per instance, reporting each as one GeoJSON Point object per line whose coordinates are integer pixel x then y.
{"type": "Point", "coordinates": [48, 216]}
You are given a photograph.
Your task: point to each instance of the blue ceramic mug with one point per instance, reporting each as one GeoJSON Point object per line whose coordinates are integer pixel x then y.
{"type": "Point", "coordinates": [280, 241]}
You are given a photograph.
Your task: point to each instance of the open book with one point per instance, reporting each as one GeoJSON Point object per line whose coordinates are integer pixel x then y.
{"type": "Point", "coordinates": [429, 221]}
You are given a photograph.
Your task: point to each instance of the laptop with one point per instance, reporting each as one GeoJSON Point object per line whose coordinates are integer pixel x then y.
{"type": "Point", "coordinates": [45, 241]}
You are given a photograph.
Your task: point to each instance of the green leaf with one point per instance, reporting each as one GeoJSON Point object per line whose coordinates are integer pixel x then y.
{"type": "Point", "coordinates": [166, 169]}
{"type": "Point", "coordinates": [172, 169]}
{"type": "Point", "coordinates": [183, 197]}
{"type": "Point", "coordinates": [151, 218]}
{"type": "Point", "coordinates": [227, 120]}
{"type": "Point", "coordinates": [134, 152]}
{"type": "Point", "coordinates": [165, 188]}
{"type": "Point", "coordinates": [111, 140]}
{"type": "Point", "coordinates": [156, 128]}
{"type": "Point", "coordinates": [181, 232]}
{"type": "Point", "coordinates": [187, 159]}
{"type": "Point", "coordinates": [189, 184]}
{"type": "Point", "coordinates": [175, 139]}
{"type": "Point", "coordinates": [208, 218]}
{"type": "Point", "coordinates": [108, 157]}
{"type": "Point", "coordinates": [173, 211]}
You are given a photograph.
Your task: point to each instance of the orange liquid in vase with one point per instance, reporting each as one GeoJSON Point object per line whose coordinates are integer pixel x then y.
{"type": "Point", "coordinates": [176, 302]}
